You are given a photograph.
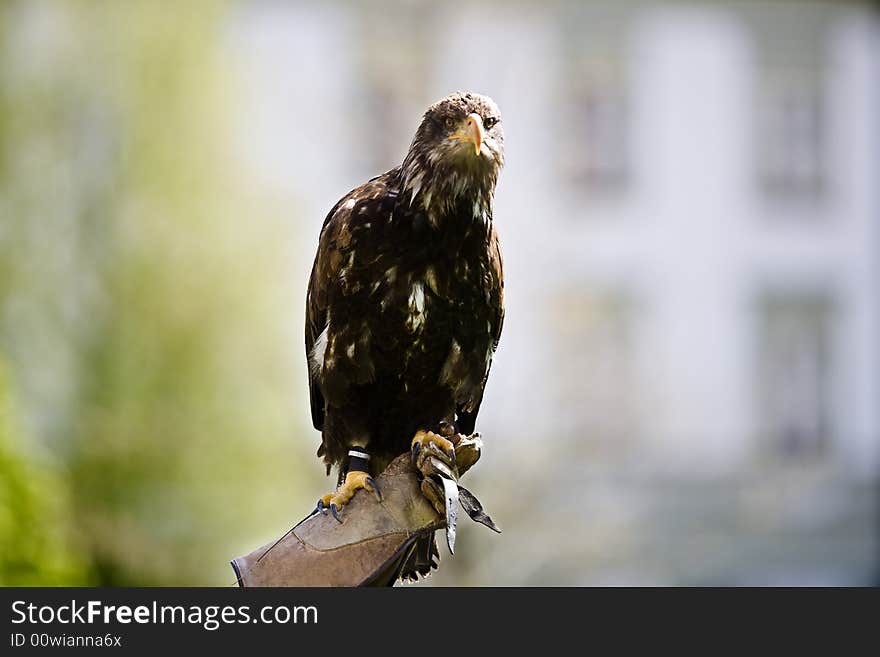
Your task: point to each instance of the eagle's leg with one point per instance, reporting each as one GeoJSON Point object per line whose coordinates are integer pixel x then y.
{"type": "Point", "coordinates": [356, 477]}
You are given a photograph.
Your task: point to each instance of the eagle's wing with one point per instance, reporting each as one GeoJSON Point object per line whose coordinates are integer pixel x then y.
{"type": "Point", "coordinates": [466, 417]}
{"type": "Point", "coordinates": [316, 320]}
{"type": "Point", "coordinates": [335, 242]}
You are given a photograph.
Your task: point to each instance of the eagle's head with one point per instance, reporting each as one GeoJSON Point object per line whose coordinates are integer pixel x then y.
{"type": "Point", "coordinates": [456, 155]}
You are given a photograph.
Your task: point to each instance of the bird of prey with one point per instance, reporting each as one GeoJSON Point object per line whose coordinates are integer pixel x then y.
{"type": "Point", "coordinates": [405, 301]}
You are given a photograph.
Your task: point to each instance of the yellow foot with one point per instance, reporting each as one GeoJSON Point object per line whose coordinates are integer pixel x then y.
{"type": "Point", "coordinates": [431, 454]}
{"type": "Point", "coordinates": [428, 441]}
{"type": "Point", "coordinates": [354, 480]}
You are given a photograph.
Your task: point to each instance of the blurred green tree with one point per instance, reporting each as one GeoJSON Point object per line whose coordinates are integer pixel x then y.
{"type": "Point", "coordinates": [34, 544]}
{"type": "Point", "coordinates": [144, 304]}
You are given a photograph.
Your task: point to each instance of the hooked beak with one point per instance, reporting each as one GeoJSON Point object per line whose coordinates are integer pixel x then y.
{"type": "Point", "coordinates": [472, 132]}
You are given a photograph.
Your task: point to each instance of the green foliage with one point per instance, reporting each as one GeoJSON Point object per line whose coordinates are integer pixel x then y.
{"type": "Point", "coordinates": [143, 305]}
{"type": "Point", "coordinates": [34, 547]}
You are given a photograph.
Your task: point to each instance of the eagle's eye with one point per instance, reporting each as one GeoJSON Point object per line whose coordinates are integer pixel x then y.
{"type": "Point", "coordinates": [449, 122]}
{"type": "Point", "coordinates": [489, 122]}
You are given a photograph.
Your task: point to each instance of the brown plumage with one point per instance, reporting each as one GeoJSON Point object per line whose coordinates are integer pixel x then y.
{"type": "Point", "coordinates": [405, 301]}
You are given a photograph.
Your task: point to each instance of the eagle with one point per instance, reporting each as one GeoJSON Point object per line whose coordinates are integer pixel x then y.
{"type": "Point", "coordinates": [405, 303]}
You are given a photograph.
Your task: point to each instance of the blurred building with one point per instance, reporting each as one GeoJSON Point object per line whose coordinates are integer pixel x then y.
{"type": "Point", "coordinates": [688, 387]}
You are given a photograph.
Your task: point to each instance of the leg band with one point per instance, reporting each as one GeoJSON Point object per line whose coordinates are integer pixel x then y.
{"type": "Point", "coordinates": [358, 460]}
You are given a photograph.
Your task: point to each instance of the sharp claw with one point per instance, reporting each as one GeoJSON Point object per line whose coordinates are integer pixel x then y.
{"type": "Point", "coordinates": [414, 454]}
{"type": "Point", "coordinates": [320, 508]}
{"type": "Point", "coordinates": [439, 466]}
{"type": "Point", "coordinates": [450, 455]}
{"type": "Point", "coordinates": [376, 491]}
{"type": "Point", "coordinates": [335, 513]}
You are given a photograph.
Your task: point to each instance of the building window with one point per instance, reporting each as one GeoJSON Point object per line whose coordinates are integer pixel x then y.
{"type": "Point", "coordinates": [793, 374]}
{"type": "Point", "coordinates": [791, 135]}
{"type": "Point", "coordinates": [593, 100]}
{"type": "Point", "coordinates": [595, 150]}
{"type": "Point", "coordinates": [388, 52]}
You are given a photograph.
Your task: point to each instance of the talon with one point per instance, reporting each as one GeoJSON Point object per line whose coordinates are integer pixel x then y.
{"type": "Point", "coordinates": [374, 487]}
{"type": "Point", "coordinates": [414, 454]}
{"type": "Point", "coordinates": [324, 503]}
{"type": "Point", "coordinates": [426, 439]}
{"type": "Point", "coordinates": [432, 459]}
{"type": "Point", "coordinates": [354, 480]}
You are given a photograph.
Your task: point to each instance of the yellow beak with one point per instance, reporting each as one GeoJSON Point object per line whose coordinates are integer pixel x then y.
{"type": "Point", "coordinates": [472, 132]}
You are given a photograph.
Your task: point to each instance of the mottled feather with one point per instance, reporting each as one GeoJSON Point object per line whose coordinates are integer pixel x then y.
{"type": "Point", "coordinates": [405, 300]}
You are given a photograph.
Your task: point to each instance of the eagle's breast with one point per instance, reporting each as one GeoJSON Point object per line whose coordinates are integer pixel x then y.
{"type": "Point", "coordinates": [405, 302]}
